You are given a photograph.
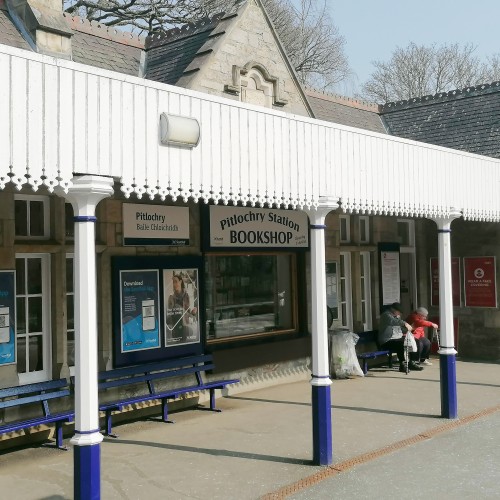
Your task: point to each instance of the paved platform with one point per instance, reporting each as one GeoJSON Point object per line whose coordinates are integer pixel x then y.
{"type": "Point", "coordinates": [260, 446]}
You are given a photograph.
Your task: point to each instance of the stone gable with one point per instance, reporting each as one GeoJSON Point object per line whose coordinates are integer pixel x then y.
{"type": "Point", "coordinates": [248, 64]}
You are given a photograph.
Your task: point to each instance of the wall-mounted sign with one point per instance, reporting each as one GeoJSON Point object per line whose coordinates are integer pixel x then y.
{"type": "Point", "coordinates": [455, 281]}
{"type": "Point", "coordinates": [139, 310]}
{"type": "Point", "coordinates": [7, 317]}
{"type": "Point", "coordinates": [155, 225]}
{"type": "Point", "coordinates": [247, 227]}
{"type": "Point", "coordinates": [480, 282]}
{"type": "Point", "coordinates": [390, 283]}
{"type": "Point", "coordinates": [182, 325]}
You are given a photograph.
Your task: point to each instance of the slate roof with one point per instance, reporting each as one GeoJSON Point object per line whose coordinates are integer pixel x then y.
{"type": "Point", "coordinates": [181, 51]}
{"type": "Point", "coordinates": [467, 119]}
{"type": "Point", "coordinates": [9, 35]}
{"type": "Point", "coordinates": [345, 111]}
{"type": "Point", "coordinates": [97, 45]}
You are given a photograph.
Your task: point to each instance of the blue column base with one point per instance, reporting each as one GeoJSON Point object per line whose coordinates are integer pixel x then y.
{"type": "Point", "coordinates": [322, 425]}
{"type": "Point", "coordinates": [448, 372]}
{"type": "Point", "coordinates": [87, 465]}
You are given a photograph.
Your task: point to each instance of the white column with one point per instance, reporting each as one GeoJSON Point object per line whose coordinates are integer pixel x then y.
{"type": "Point", "coordinates": [447, 352]}
{"type": "Point", "coordinates": [320, 380]}
{"type": "Point", "coordinates": [447, 336]}
{"type": "Point", "coordinates": [86, 192]}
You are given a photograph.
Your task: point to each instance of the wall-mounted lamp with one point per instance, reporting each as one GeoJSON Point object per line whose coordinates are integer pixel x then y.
{"type": "Point", "coordinates": [179, 131]}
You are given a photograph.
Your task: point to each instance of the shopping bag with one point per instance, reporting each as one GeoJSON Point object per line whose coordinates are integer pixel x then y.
{"type": "Point", "coordinates": [410, 342]}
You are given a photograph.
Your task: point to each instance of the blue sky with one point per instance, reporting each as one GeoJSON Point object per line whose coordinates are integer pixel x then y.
{"type": "Point", "coordinates": [374, 28]}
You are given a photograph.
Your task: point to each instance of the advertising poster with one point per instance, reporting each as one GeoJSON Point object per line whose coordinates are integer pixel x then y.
{"type": "Point", "coordinates": [479, 282]}
{"type": "Point", "coordinates": [182, 325]}
{"type": "Point", "coordinates": [391, 290]}
{"type": "Point", "coordinates": [7, 317]}
{"type": "Point", "coordinates": [139, 310]}
{"type": "Point", "coordinates": [455, 281]}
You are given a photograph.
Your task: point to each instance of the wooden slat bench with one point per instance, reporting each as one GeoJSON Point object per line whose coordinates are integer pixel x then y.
{"type": "Point", "coordinates": [147, 374]}
{"type": "Point", "coordinates": [369, 338]}
{"type": "Point", "coordinates": [31, 394]}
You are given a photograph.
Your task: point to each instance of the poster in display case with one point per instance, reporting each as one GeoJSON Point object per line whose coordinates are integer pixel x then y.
{"type": "Point", "coordinates": [7, 317]}
{"type": "Point", "coordinates": [182, 325]}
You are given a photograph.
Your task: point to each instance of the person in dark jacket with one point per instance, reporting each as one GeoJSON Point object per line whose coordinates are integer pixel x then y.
{"type": "Point", "coordinates": [390, 336]}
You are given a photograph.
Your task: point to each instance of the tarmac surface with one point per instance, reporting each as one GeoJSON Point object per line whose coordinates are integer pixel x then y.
{"type": "Point", "coordinates": [388, 440]}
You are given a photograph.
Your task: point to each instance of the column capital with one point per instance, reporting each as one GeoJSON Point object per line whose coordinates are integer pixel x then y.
{"type": "Point", "coordinates": [444, 223]}
{"type": "Point", "coordinates": [326, 205]}
{"type": "Point", "coordinates": [86, 192]}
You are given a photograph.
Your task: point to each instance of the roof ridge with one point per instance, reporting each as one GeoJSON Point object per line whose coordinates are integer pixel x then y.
{"type": "Point", "coordinates": [95, 28]}
{"type": "Point", "coordinates": [427, 99]}
{"type": "Point", "coordinates": [340, 99]}
{"type": "Point", "coordinates": [183, 31]}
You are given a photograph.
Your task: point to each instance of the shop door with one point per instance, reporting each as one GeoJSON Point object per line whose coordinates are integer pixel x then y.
{"type": "Point", "coordinates": [33, 317]}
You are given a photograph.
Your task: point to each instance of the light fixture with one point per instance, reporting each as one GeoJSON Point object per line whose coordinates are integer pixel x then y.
{"type": "Point", "coordinates": [178, 130]}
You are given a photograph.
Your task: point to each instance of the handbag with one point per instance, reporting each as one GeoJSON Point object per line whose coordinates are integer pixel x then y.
{"type": "Point", "coordinates": [410, 342]}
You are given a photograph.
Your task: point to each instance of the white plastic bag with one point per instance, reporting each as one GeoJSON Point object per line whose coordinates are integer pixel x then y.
{"type": "Point", "coordinates": [343, 360]}
{"type": "Point", "coordinates": [410, 342]}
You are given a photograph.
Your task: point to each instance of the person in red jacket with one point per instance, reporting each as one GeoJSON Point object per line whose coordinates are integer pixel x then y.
{"type": "Point", "coordinates": [418, 319]}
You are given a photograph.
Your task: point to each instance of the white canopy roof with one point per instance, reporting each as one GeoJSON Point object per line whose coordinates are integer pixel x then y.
{"type": "Point", "coordinates": [59, 118]}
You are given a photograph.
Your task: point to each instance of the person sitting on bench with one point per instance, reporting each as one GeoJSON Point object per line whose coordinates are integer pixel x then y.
{"type": "Point", "coordinates": [418, 319]}
{"type": "Point", "coordinates": [390, 336]}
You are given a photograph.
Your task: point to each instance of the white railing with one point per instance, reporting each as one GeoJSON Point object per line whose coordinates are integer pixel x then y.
{"type": "Point", "coordinates": [58, 118]}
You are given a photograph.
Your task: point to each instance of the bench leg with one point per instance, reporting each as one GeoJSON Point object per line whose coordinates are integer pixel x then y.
{"type": "Point", "coordinates": [109, 424]}
{"type": "Point", "coordinates": [365, 366]}
{"type": "Point", "coordinates": [164, 411]}
{"type": "Point", "coordinates": [212, 401]}
{"type": "Point", "coordinates": [59, 436]}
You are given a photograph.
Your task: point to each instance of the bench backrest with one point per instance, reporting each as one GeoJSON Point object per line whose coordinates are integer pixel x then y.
{"type": "Point", "coordinates": [368, 337]}
{"type": "Point", "coordinates": [32, 393]}
{"type": "Point", "coordinates": [150, 372]}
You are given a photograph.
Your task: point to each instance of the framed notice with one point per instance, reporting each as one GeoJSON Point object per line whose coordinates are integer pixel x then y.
{"type": "Point", "coordinates": [182, 325]}
{"type": "Point", "coordinates": [7, 317]}
{"type": "Point", "coordinates": [455, 281]}
{"type": "Point", "coordinates": [390, 287]}
{"type": "Point", "coordinates": [480, 282]}
{"type": "Point", "coordinates": [139, 306]}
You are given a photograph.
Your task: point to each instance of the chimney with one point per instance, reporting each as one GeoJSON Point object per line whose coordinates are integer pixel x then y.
{"type": "Point", "coordinates": [43, 25]}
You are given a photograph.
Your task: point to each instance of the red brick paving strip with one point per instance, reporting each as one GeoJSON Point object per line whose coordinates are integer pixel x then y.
{"type": "Point", "coordinates": [335, 469]}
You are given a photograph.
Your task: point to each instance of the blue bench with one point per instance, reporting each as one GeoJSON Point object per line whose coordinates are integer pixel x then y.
{"type": "Point", "coordinates": [370, 338]}
{"type": "Point", "coordinates": [144, 377]}
{"type": "Point", "coordinates": [34, 394]}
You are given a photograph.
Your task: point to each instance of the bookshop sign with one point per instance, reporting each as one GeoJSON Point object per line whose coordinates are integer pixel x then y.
{"type": "Point", "coordinates": [249, 227]}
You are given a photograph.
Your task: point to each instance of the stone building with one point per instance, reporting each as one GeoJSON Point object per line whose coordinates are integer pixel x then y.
{"type": "Point", "coordinates": [87, 99]}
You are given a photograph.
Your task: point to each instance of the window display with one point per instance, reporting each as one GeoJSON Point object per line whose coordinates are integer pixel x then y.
{"type": "Point", "coordinates": [249, 295]}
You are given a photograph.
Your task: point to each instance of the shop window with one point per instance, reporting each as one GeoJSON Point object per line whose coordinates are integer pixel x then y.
{"type": "Point", "coordinates": [248, 295]}
{"type": "Point", "coordinates": [33, 322]}
{"type": "Point", "coordinates": [70, 312]}
{"type": "Point", "coordinates": [365, 290]}
{"type": "Point", "coordinates": [31, 216]}
{"type": "Point", "coordinates": [345, 228]}
{"type": "Point", "coordinates": [364, 229]}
